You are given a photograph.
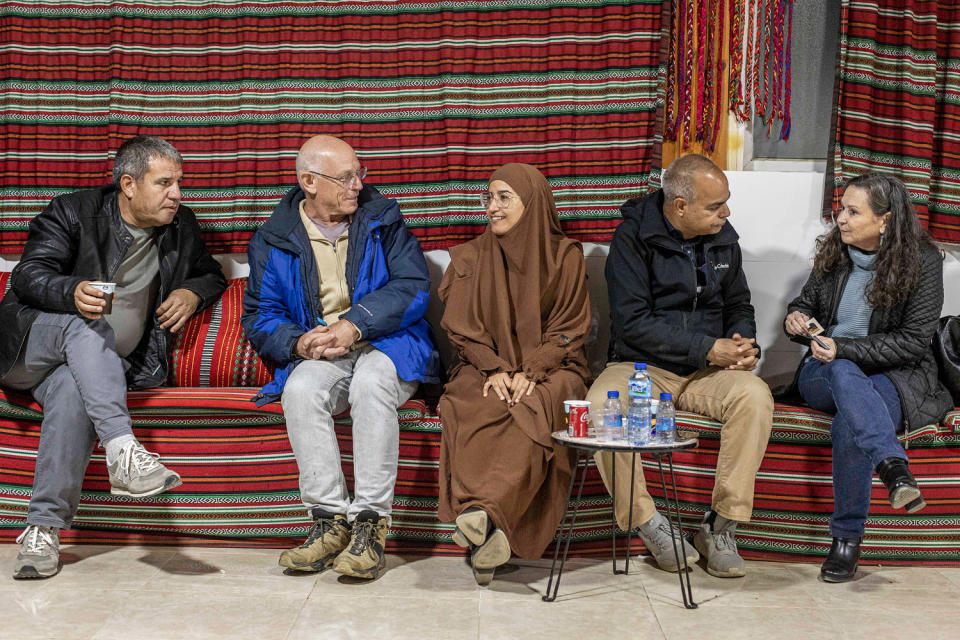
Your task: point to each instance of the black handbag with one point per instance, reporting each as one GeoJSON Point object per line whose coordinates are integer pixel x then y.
{"type": "Point", "coordinates": [946, 349]}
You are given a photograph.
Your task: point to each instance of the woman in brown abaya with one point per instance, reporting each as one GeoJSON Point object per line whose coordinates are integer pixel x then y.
{"type": "Point", "coordinates": [518, 312]}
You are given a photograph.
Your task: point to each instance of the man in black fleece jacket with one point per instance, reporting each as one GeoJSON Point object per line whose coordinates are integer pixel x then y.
{"type": "Point", "coordinates": [679, 302]}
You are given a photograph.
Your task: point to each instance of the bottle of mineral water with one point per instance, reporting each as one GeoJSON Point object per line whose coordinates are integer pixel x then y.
{"type": "Point", "coordinates": [613, 417]}
{"type": "Point", "coordinates": [666, 420]}
{"type": "Point", "coordinates": [638, 406]}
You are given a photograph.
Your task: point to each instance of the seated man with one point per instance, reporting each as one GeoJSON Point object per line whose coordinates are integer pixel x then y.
{"type": "Point", "coordinates": [679, 302]}
{"type": "Point", "coordinates": [337, 291]}
{"type": "Point", "coordinates": [78, 357]}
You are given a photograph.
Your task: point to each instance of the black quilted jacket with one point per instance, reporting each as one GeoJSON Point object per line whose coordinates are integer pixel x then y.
{"type": "Point", "coordinates": [899, 339]}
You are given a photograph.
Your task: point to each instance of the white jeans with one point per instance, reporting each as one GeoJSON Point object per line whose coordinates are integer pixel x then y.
{"type": "Point", "coordinates": [366, 382]}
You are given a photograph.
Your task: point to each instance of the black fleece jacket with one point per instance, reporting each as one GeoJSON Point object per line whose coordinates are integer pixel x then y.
{"type": "Point", "coordinates": [656, 315]}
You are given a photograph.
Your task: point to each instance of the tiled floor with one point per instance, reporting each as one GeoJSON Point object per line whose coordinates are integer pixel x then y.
{"type": "Point", "coordinates": [169, 593]}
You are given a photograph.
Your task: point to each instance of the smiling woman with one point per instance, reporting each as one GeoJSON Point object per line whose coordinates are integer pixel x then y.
{"type": "Point", "coordinates": [518, 312]}
{"type": "Point", "coordinates": [877, 287]}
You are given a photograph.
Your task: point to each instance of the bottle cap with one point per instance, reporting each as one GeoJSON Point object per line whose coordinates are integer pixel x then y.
{"type": "Point", "coordinates": [639, 365]}
{"type": "Point", "coordinates": [613, 394]}
{"type": "Point", "coordinates": [666, 397]}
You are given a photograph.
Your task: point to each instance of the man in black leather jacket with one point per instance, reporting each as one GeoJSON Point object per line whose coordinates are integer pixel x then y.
{"type": "Point", "coordinates": [76, 355]}
{"type": "Point", "coordinates": [680, 303]}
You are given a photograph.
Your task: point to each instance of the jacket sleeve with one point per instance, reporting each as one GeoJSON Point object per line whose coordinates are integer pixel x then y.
{"type": "Point", "coordinates": [808, 302]}
{"type": "Point", "coordinates": [631, 306]}
{"type": "Point", "coordinates": [910, 342]}
{"type": "Point", "coordinates": [266, 321]}
{"type": "Point", "coordinates": [566, 328]}
{"type": "Point", "coordinates": [483, 357]}
{"type": "Point", "coordinates": [738, 313]}
{"type": "Point", "coordinates": [402, 301]}
{"type": "Point", "coordinates": [206, 276]}
{"type": "Point", "coordinates": [41, 279]}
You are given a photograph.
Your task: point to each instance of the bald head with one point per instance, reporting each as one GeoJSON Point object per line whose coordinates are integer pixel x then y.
{"type": "Point", "coordinates": [679, 177]}
{"type": "Point", "coordinates": [330, 175]}
{"type": "Point", "coordinates": [695, 194]}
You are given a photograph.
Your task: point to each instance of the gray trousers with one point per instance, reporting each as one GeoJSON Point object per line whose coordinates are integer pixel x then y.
{"type": "Point", "coordinates": [73, 371]}
{"type": "Point", "coordinates": [366, 382]}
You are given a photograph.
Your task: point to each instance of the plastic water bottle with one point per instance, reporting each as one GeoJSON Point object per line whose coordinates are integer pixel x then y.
{"type": "Point", "coordinates": [613, 417]}
{"type": "Point", "coordinates": [638, 406]}
{"type": "Point", "coordinates": [666, 420]}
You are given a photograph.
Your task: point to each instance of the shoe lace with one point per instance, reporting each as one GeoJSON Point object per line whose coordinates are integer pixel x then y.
{"type": "Point", "coordinates": [135, 460]}
{"type": "Point", "coordinates": [319, 529]}
{"type": "Point", "coordinates": [363, 533]}
{"type": "Point", "coordinates": [725, 539]}
{"type": "Point", "coordinates": [666, 541]}
{"type": "Point", "coordinates": [37, 540]}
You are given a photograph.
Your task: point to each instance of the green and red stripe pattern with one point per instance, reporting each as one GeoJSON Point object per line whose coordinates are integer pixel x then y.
{"type": "Point", "coordinates": [898, 105]}
{"type": "Point", "coordinates": [433, 95]}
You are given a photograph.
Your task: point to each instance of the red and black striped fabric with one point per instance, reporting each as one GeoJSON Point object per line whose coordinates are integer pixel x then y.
{"type": "Point", "coordinates": [433, 94]}
{"type": "Point", "coordinates": [898, 107]}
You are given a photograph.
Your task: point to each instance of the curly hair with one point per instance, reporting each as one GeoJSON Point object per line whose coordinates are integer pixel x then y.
{"type": "Point", "coordinates": [897, 268]}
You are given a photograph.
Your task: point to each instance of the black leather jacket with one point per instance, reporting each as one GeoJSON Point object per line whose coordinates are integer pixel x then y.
{"type": "Point", "coordinates": [899, 339]}
{"type": "Point", "coordinates": [81, 236]}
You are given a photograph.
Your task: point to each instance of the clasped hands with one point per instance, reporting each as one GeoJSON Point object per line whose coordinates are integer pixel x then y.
{"type": "Point", "coordinates": [327, 342]}
{"type": "Point", "coordinates": [510, 389]}
{"type": "Point", "coordinates": [172, 313]}
{"type": "Point", "coordinates": [735, 353]}
{"type": "Point", "coordinates": [796, 325]}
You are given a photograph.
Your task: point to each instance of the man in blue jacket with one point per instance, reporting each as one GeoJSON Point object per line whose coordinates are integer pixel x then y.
{"type": "Point", "coordinates": [335, 299]}
{"type": "Point", "coordinates": [679, 301]}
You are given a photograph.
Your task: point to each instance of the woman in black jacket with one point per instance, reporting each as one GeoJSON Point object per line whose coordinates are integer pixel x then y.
{"type": "Point", "coordinates": [877, 289]}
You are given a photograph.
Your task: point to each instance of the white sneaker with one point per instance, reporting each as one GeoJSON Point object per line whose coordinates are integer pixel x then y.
{"type": "Point", "coordinates": [137, 473]}
{"type": "Point", "coordinates": [39, 555]}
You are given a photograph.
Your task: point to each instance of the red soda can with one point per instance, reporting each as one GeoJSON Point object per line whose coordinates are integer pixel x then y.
{"type": "Point", "coordinates": [578, 416]}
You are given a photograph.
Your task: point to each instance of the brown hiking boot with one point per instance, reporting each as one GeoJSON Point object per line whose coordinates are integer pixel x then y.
{"type": "Point", "coordinates": [364, 558]}
{"type": "Point", "coordinates": [328, 536]}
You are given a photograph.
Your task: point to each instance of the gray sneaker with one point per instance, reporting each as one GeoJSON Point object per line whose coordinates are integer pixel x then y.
{"type": "Point", "coordinates": [136, 473]}
{"type": "Point", "coordinates": [39, 555]}
{"type": "Point", "coordinates": [717, 541]}
{"type": "Point", "coordinates": [658, 536]}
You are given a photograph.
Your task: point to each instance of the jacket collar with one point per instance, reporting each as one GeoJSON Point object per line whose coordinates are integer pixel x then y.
{"type": "Point", "coordinates": [647, 213]}
{"type": "Point", "coordinates": [284, 224]}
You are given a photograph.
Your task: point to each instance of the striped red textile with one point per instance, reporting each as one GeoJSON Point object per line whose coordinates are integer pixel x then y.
{"type": "Point", "coordinates": [898, 107]}
{"type": "Point", "coordinates": [211, 350]}
{"type": "Point", "coordinates": [433, 94]}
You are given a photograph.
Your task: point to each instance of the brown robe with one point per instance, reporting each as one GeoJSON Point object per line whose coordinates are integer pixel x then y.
{"type": "Point", "coordinates": [516, 302]}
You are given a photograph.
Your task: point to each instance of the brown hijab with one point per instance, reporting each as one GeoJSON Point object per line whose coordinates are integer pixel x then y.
{"type": "Point", "coordinates": [517, 276]}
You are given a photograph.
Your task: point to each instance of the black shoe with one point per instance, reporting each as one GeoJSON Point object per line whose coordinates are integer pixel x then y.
{"type": "Point", "coordinates": [902, 487]}
{"type": "Point", "coordinates": [841, 562]}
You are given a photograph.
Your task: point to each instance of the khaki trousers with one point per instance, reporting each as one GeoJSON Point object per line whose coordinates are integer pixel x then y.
{"type": "Point", "coordinates": [738, 399]}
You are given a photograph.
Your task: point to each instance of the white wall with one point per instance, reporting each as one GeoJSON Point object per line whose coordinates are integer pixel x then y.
{"type": "Point", "coordinates": [777, 215]}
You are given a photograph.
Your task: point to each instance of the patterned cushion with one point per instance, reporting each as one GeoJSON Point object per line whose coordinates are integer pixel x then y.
{"type": "Point", "coordinates": [211, 350]}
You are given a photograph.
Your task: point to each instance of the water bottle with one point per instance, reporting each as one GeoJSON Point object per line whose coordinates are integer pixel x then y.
{"type": "Point", "coordinates": [638, 406]}
{"type": "Point", "coordinates": [666, 420]}
{"type": "Point", "coordinates": [613, 417]}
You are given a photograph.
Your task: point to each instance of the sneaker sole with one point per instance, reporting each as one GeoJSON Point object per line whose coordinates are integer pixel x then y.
{"type": "Point", "coordinates": [472, 527]}
{"type": "Point", "coordinates": [905, 496]}
{"type": "Point", "coordinates": [30, 572]}
{"type": "Point", "coordinates": [493, 553]}
{"type": "Point", "coordinates": [172, 482]}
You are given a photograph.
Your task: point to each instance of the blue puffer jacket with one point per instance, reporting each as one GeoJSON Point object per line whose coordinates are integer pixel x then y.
{"type": "Point", "coordinates": [386, 272]}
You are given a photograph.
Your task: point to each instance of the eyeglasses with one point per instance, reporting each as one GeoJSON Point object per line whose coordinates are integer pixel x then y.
{"type": "Point", "coordinates": [346, 179]}
{"type": "Point", "coordinates": [502, 200]}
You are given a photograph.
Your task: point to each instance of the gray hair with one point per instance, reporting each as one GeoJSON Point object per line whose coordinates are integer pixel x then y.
{"type": "Point", "coordinates": [677, 181]}
{"type": "Point", "coordinates": [134, 156]}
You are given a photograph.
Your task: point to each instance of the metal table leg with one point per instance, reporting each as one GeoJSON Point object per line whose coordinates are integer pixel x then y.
{"type": "Point", "coordinates": [673, 517]}
{"type": "Point", "coordinates": [633, 471]}
{"type": "Point", "coordinates": [583, 464]}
